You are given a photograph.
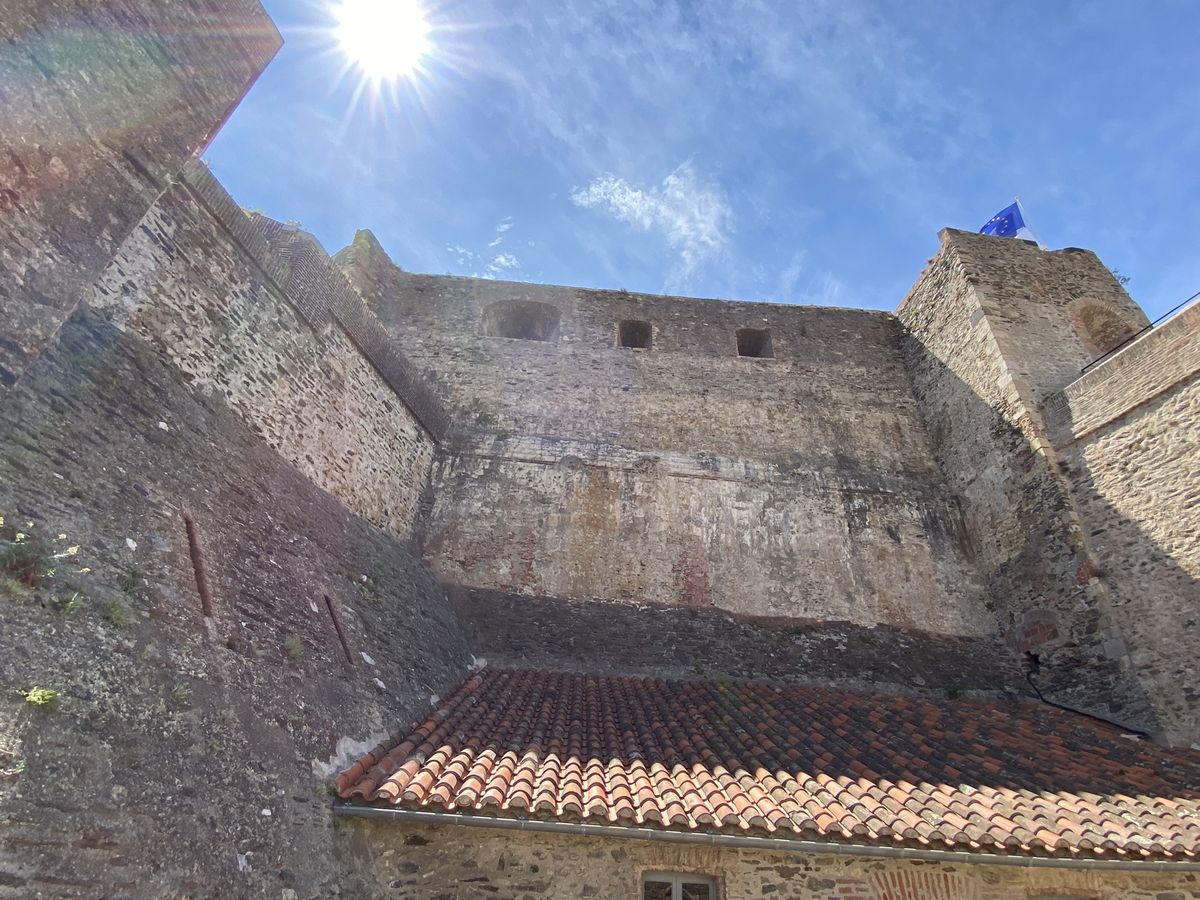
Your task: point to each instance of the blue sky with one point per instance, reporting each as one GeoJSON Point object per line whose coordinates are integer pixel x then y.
{"type": "Point", "coordinates": [752, 149]}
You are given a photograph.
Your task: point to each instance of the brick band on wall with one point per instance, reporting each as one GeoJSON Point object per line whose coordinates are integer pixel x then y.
{"type": "Point", "coordinates": [308, 279]}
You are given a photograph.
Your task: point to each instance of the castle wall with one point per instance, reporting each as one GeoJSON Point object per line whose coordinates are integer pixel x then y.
{"type": "Point", "coordinates": [402, 860]}
{"type": "Point", "coordinates": [795, 486]}
{"type": "Point", "coordinates": [978, 382]}
{"type": "Point", "coordinates": [188, 285]}
{"type": "Point", "coordinates": [187, 754]}
{"type": "Point", "coordinates": [1128, 435]}
{"type": "Point", "coordinates": [101, 104]}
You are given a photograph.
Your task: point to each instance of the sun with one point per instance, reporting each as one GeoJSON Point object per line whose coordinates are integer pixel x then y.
{"type": "Point", "coordinates": [385, 39]}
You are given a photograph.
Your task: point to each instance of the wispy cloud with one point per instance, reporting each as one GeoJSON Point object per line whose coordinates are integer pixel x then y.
{"type": "Point", "coordinates": [621, 82]}
{"type": "Point", "coordinates": [486, 263]}
{"type": "Point", "coordinates": [501, 229]}
{"type": "Point", "coordinates": [501, 264]}
{"type": "Point", "coordinates": [690, 212]}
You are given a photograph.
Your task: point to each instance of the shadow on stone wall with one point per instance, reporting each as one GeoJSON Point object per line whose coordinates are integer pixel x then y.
{"type": "Point", "coordinates": [1053, 592]}
{"type": "Point", "coordinates": [182, 754]}
{"type": "Point", "coordinates": [1135, 482]}
{"type": "Point", "coordinates": [602, 636]}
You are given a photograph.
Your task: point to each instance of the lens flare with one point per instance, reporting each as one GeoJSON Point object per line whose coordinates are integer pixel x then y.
{"type": "Point", "coordinates": [385, 39]}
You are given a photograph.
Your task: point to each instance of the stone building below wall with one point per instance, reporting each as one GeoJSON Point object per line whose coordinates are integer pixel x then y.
{"type": "Point", "coordinates": [373, 583]}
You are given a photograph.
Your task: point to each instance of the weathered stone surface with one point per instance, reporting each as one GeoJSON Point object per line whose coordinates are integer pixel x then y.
{"type": "Point", "coordinates": [1156, 362]}
{"type": "Point", "coordinates": [582, 519]}
{"type": "Point", "coordinates": [799, 485]}
{"type": "Point", "coordinates": [440, 862]}
{"type": "Point", "coordinates": [181, 756]}
{"type": "Point", "coordinates": [979, 384]}
{"type": "Point", "coordinates": [1131, 454]}
{"type": "Point", "coordinates": [233, 444]}
{"type": "Point", "coordinates": [184, 283]}
{"type": "Point", "coordinates": [101, 104]}
{"type": "Point", "coordinates": [1051, 313]}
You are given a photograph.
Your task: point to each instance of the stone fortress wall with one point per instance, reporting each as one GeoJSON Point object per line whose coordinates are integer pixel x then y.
{"type": "Point", "coordinates": [1097, 587]}
{"type": "Point", "coordinates": [103, 103]}
{"type": "Point", "coordinates": [797, 486]}
{"type": "Point", "coordinates": [233, 455]}
{"type": "Point", "coordinates": [265, 477]}
{"type": "Point", "coordinates": [199, 281]}
{"type": "Point", "coordinates": [906, 462]}
{"type": "Point", "coordinates": [1127, 439]}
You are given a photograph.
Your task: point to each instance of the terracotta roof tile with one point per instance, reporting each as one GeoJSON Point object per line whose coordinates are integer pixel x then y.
{"type": "Point", "coordinates": [855, 767]}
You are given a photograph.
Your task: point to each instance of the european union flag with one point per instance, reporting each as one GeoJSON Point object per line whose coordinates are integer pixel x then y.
{"type": "Point", "coordinates": [1005, 223]}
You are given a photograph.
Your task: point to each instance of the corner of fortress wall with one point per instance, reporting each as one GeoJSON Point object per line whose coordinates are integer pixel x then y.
{"type": "Point", "coordinates": [598, 453]}
{"type": "Point", "coordinates": [91, 138]}
{"type": "Point", "coordinates": [999, 332]}
{"type": "Point", "coordinates": [260, 316]}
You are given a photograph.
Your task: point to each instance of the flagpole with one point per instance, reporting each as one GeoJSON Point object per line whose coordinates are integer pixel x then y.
{"type": "Point", "coordinates": [1025, 219]}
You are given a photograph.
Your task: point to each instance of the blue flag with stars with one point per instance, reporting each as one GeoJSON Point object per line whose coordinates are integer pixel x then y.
{"type": "Point", "coordinates": [1005, 223]}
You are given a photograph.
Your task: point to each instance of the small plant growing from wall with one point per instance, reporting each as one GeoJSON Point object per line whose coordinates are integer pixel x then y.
{"type": "Point", "coordinates": [68, 606]}
{"type": "Point", "coordinates": [133, 584]}
{"type": "Point", "coordinates": [26, 558]}
{"type": "Point", "coordinates": [44, 699]}
{"type": "Point", "coordinates": [29, 559]}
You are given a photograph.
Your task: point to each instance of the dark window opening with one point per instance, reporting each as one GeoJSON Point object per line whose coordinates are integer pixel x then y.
{"type": "Point", "coordinates": [638, 335]}
{"type": "Point", "coordinates": [754, 342]}
{"type": "Point", "coordinates": [525, 320]}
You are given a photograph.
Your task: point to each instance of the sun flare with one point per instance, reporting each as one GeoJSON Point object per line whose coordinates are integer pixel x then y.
{"type": "Point", "coordinates": [385, 39]}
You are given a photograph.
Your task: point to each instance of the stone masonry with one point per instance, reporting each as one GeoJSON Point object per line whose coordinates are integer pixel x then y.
{"type": "Point", "coordinates": [236, 334]}
{"type": "Point", "coordinates": [444, 864]}
{"type": "Point", "coordinates": [995, 329]}
{"type": "Point", "coordinates": [795, 486]}
{"type": "Point", "coordinates": [260, 509]}
{"type": "Point", "coordinates": [1126, 438]}
{"type": "Point", "coordinates": [103, 103]}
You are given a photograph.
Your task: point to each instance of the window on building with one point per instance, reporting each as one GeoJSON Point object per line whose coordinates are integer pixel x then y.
{"type": "Point", "coordinates": [665, 886]}
{"type": "Point", "coordinates": [754, 342]}
{"type": "Point", "coordinates": [635, 334]}
{"type": "Point", "coordinates": [525, 320]}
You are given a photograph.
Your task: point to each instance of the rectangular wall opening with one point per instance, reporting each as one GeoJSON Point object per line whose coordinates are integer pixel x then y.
{"type": "Point", "coordinates": [755, 343]}
{"type": "Point", "coordinates": [635, 335]}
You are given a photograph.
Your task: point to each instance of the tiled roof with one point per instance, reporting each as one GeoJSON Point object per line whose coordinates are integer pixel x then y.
{"type": "Point", "coordinates": [811, 763]}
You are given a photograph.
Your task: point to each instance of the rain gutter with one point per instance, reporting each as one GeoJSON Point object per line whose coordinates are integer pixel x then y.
{"type": "Point", "coordinates": [745, 842]}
